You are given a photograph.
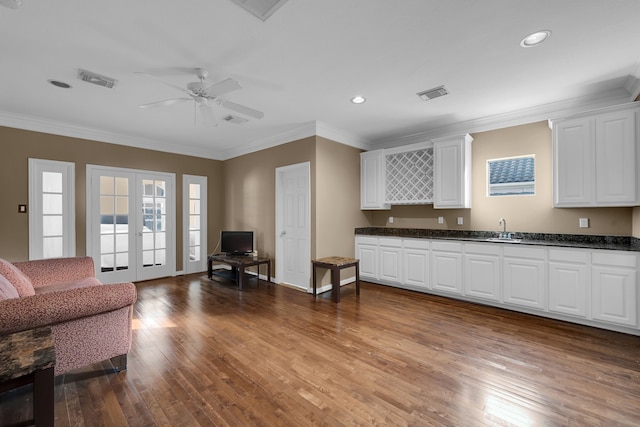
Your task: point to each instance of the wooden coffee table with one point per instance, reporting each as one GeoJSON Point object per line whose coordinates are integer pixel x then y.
{"type": "Point", "coordinates": [238, 265]}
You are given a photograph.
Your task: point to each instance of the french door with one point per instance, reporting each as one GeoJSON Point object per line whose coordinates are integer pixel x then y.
{"type": "Point", "coordinates": [130, 223]}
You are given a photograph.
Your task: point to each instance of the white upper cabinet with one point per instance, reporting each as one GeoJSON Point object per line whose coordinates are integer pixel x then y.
{"type": "Point", "coordinates": [437, 172]}
{"type": "Point", "coordinates": [452, 169]}
{"type": "Point", "coordinates": [372, 180]}
{"type": "Point", "coordinates": [409, 175]}
{"type": "Point", "coordinates": [596, 158]}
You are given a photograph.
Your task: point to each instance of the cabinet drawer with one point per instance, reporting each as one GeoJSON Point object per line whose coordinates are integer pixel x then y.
{"type": "Point", "coordinates": [440, 245]}
{"type": "Point", "coordinates": [390, 241]}
{"type": "Point", "coordinates": [416, 243]}
{"type": "Point", "coordinates": [482, 249]}
{"type": "Point", "coordinates": [618, 259]}
{"type": "Point", "coordinates": [523, 252]}
{"type": "Point", "coordinates": [364, 240]}
{"type": "Point", "coordinates": [563, 255]}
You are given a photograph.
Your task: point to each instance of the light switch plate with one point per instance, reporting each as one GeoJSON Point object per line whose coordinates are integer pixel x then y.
{"type": "Point", "coordinates": [584, 222]}
{"type": "Point", "coordinates": [460, 220]}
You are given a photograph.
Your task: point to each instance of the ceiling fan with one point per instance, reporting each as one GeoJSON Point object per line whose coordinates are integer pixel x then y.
{"type": "Point", "coordinates": [205, 95]}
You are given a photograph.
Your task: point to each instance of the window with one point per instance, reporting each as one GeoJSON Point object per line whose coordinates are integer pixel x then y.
{"type": "Point", "coordinates": [511, 176]}
{"type": "Point", "coordinates": [195, 223]}
{"type": "Point", "coordinates": [52, 213]}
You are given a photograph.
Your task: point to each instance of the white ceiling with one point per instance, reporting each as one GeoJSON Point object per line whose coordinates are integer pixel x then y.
{"type": "Point", "coordinates": [303, 64]}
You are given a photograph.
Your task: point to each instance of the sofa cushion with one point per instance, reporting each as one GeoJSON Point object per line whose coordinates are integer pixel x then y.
{"type": "Point", "coordinates": [7, 291]}
{"type": "Point", "coordinates": [16, 278]}
{"type": "Point", "coordinates": [87, 282]}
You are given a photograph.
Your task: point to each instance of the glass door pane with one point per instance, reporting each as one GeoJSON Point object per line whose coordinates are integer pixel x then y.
{"type": "Point", "coordinates": [114, 224]}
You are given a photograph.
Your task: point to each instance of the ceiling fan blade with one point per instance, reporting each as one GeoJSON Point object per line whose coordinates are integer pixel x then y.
{"type": "Point", "coordinates": [240, 108]}
{"type": "Point", "coordinates": [222, 87]}
{"type": "Point", "coordinates": [165, 102]}
{"type": "Point", "coordinates": [181, 89]}
{"type": "Point", "coordinates": [206, 110]}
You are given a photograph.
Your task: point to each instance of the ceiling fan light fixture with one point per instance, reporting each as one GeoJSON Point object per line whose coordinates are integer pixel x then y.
{"type": "Point", "coordinates": [358, 99]}
{"type": "Point", "coordinates": [534, 39]}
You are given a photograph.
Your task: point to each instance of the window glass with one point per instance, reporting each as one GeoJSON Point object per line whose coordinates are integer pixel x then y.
{"type": "Point", "coordinates": [512, 176]}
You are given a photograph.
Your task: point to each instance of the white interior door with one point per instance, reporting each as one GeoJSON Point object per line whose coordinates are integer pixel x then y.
{"type": "Point", "coordinates": [130, 223]}
{"type": "Point", "coordinates": [293, 225]}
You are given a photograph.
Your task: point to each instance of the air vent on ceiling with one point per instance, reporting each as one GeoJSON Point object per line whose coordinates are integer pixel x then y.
{"type": "Point", "coordinates": [235, 119]}
{"type": "Point", "coordinates": [436, 92]}
{"type": "Point", "coordinates": [96, 79]}
{"type": "Point", "coordinates": [260, 8]}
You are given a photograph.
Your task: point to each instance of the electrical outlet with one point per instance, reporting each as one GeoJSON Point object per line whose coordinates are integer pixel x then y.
{"type": "Point", "coordinates": [460, 220]}
{"type": "Point", "coordinates": [390, 220]}
{"type": "Point", "coordinates": [440, 220]}
{"type": "Point", "coordinates": [584, 223]}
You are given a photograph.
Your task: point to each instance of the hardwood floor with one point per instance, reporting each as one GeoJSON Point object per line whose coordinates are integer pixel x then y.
{"type": "Point", "coordinates": [205, 354]}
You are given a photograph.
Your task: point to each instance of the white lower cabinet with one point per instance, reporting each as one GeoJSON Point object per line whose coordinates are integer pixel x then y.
{"type": "Point", "coordinates": [523, 275]}
{"type": "Point", "coordinates": [390, 268]}
{"type": "Point", "coordinates": [446, 266]}
{"type": "Point", "coordinates": [367, 253]}
{"type": "Point", "coordinates": [415, 255]}
{"type": "Point", "coordinates": [614, 287]}
{"type": "Point", "coordinates": [594, 287]}
{"type": "Point", "coordinates": [482, 277]}
{"type": "Point", "coordinates": [569, 281]}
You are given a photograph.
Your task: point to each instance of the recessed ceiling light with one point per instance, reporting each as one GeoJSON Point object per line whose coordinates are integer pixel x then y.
{"type": "Point", "coordinates": [58, 83]}
{"type": "Point", "coordinates": [358, 99]}
{"type": "Point", "coordinates": [535, 39]}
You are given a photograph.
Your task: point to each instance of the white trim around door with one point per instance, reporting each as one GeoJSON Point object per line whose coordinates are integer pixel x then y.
{"type": "Point", "coordinates": [293, 225]}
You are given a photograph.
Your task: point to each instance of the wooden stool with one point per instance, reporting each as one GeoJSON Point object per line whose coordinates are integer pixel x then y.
{"type": "Point", "coordinates": [335, 264]}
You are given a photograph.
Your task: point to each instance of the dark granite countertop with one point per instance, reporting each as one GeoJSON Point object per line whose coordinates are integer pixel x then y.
{"type": "Point", "coordinates": [617, 243]}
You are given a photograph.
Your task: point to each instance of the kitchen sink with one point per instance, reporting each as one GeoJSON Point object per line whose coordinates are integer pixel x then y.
{"type": "Point", "coordinates": [501, 240]}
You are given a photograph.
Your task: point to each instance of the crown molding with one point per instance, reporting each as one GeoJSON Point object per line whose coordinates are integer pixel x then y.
{"type": "Point", "coordinates": [632, 84]}
{"type": "Point", "coordinates": [306, 130]}
{"type": "Point", "coordinates": [341, 136]}
{"type": "Point", "coordinates": [35, 124]}
{"type": "Point", "coordinates": [515, 118]}
{"type": "Point", "coordinates": [300, 132]}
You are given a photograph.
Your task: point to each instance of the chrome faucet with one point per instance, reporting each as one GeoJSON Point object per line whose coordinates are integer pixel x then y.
{"type": "Point", "coordinates": [504, 234]}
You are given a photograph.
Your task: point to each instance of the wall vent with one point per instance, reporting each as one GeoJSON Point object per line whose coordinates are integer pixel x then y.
{"type": "Point", "coordinates": [260, 8]}
{"type": "Point", "coordinates": [235, 119]}
{"type": "Point", "coordinates": [430, 94]}
{"type": "Point", "coordinates": [96, 79]}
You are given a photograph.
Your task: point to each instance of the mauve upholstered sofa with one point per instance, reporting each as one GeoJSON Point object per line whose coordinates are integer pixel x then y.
{"type": "Point", "coordinates": [90, 321]}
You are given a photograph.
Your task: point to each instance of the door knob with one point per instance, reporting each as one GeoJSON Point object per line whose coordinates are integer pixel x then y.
{"type": "Point", "coordinates": [282, 233]}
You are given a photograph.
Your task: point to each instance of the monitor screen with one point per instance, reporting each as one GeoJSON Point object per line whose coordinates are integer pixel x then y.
{"type": "Point", "coordinates": [236, 242]}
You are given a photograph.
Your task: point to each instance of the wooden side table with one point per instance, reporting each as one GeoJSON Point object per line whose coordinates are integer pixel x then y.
{"type": "Point", "coordinates": [335, 264]}
{"type": "Point", "coordinates": [29, 357]}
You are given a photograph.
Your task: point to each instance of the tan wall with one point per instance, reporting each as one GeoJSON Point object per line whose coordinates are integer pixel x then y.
{"type": "Point", "coordinates": [636, 223]}
{"type": "Point", "coordinates": [17, 146]}
{"type": "Point", "coordinates": [250, 191]}
{"type": "Point", "coordinates": [337, 202]}
{"type": "Point", "coordinates": [523, 213]}
{"type": "Point", "coordinates": [249, 200]}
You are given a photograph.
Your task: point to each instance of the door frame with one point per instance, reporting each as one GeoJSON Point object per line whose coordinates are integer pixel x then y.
{"type": "Point", "coordinates": [171, 212]}
{"type": "Point", "coordinates": [280, 258]}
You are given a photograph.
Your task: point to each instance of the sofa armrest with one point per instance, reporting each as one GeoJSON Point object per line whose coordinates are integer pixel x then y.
{"type": "Point", "coordinates": [53, 271]}
{"type": "Point", "coordinates": [30, 312]}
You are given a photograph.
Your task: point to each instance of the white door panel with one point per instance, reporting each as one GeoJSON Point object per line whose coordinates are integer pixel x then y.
{"type": "Point", "coordinates": [293, 228]}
